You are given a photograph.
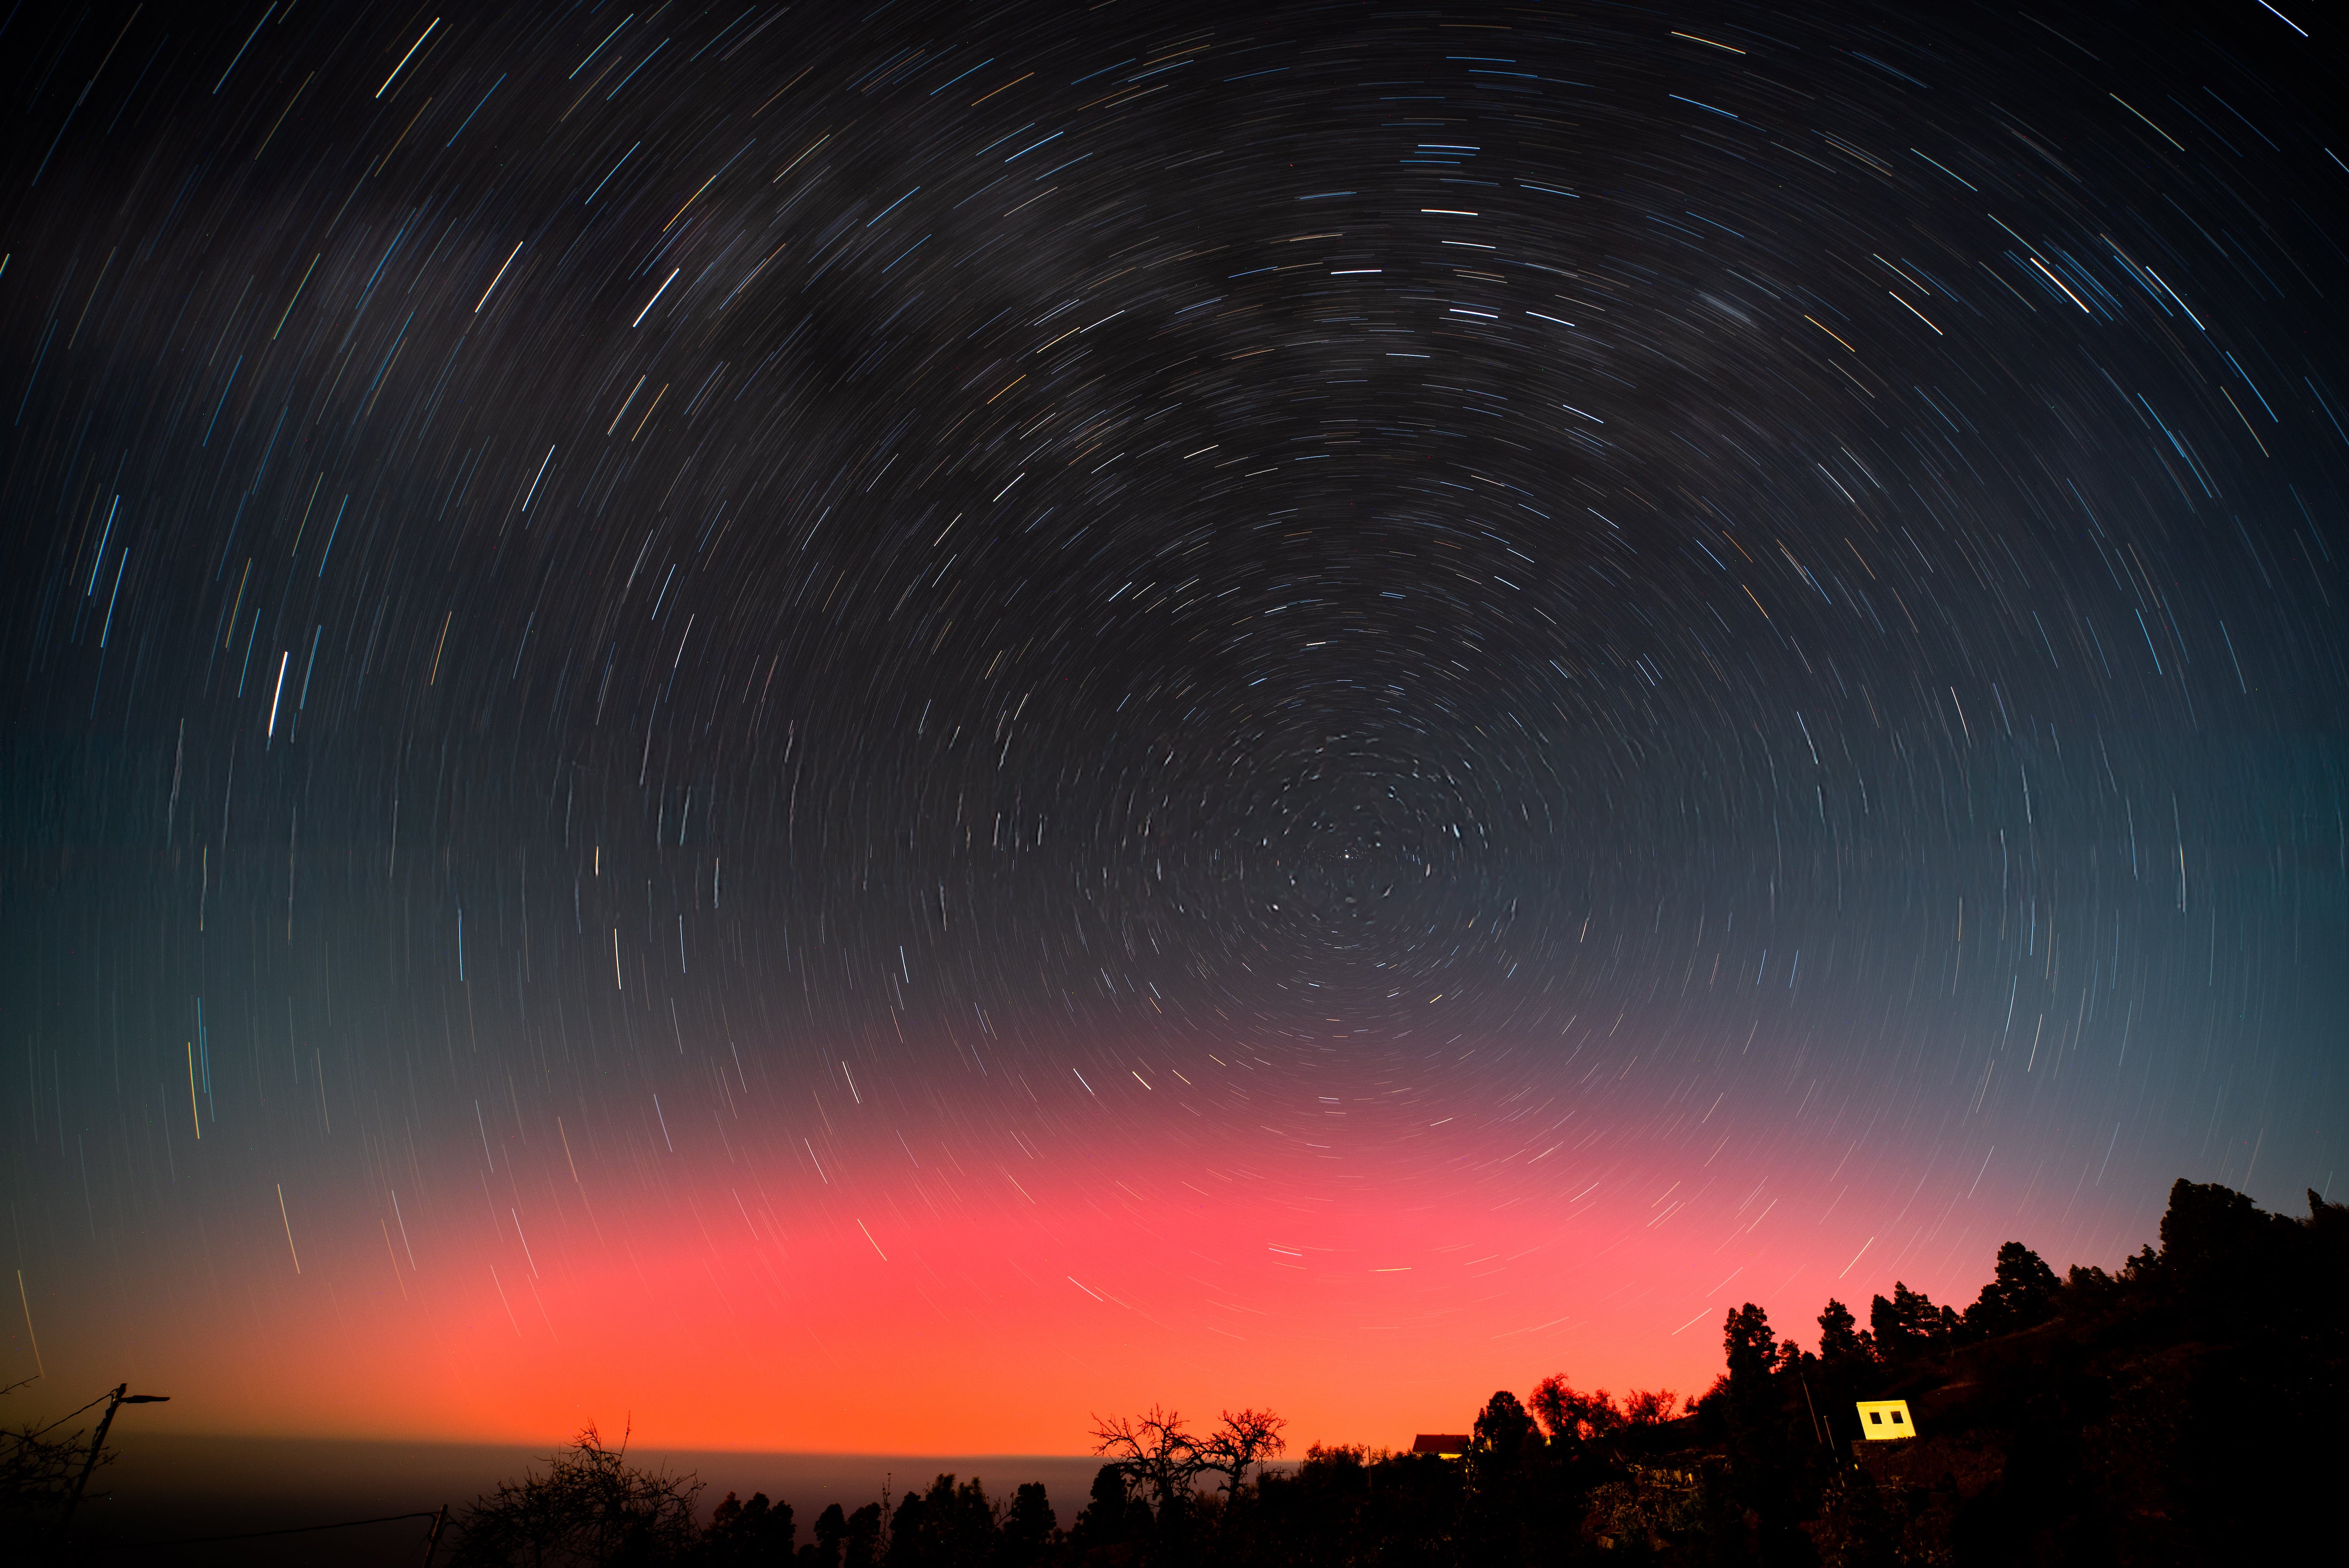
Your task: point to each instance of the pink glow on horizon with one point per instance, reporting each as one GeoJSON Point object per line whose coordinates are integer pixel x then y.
{"type": "Point", "coordinates": [962, 1310]}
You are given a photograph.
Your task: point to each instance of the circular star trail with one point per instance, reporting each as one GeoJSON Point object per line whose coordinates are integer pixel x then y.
{"type": "Point", "coordinates": [1099, 704]}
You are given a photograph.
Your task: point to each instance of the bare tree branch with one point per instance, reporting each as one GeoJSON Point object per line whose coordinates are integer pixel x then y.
{"type": "Point", "coordinates": [1159, 1458]}
{"type": "Point", "coordinates": [1245, 1438]}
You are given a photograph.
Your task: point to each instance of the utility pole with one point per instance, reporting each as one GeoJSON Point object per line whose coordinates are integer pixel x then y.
{"type": "Point", "coordinates": [433, 1542]}
{"type": "Point", "coordinates": [120, 1397]}
{"type": "Point", "coordinates": [1815, 1428]}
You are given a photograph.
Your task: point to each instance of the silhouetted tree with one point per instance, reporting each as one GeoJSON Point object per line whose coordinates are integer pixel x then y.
{"type": "Point", "coordinates": [1751, 1405]}
{"type": "Point", "coordinates": [844, 1540]}
{"type": "Point", "coordinates": [591, 1507]}
{"type": "Point", "coordinates": [1647, 1407]}
{"type": "Point", "coordinates": [2208, 1227]}
{"type": "Point", "coordinates": [1326, 1513]}
{"type": "Point", "coordinates": [1028, 1529]}
{"type": "Point", "coordinates": [2087, 1290]}
{"type": "Point", "coordinates": [1499, 1463]}
{"type": "Point", "coordinates": [1845, 1370]}
{"type": "Point", "coordinates": [38, 1467]}
{"type": "Point", "coordinates": [830, 1531]}
{"type": "Point", "coordinates": [1157, 1457]}
{"type": "Point", "coordinates": [1909, 1325]}
{"type": "Point", "coordinates": [1111, 1514]}
{"type": "Point", "coordinates": [1840, 1342]}
{"type": "Point", "coordinates": [1501, 1432]}
{"type": "Point", "coordinates": [1241, 1439]}
{"type": "Point", "coordinates": [946, 1527]}
{"type": "Point", "coordinates": [744, 1533]}
{"type": "Point", "coordinates": [1570, 1416]}
{"type": "Point", "coordinates": [1768, 1441]}
{"type": "Point", "coordinates": [1752, 1350]}
{"type": "Point", "coordinates": [860, 1543]}
{"type": "Point", "coordinates": [829, 1526]}
{"type": "Point", "coordinates": [1547, 1403]}
{"type": "Point", "coordinates": [2021, 1295]}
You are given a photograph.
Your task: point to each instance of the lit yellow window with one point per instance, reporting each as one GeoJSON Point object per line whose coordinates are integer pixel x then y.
{"type": "Point", "coordinates": [1882, 1420]}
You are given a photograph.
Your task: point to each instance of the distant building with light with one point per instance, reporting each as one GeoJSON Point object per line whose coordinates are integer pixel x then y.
{"type": "Point", "coordinates": [1443, 1445]}
{"type": "Point", "coordinates": [1882, 1419]}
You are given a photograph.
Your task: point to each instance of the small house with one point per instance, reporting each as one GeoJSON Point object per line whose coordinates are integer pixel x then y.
{"type": "Point", "coordinates": [1881, 1419]}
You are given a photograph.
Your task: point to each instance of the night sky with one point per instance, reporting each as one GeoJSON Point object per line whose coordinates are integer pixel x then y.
{"type": "Point", "coordinates": [863, 726]}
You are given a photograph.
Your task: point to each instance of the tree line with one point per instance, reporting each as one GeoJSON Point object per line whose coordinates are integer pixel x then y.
{"type": "Point", "coordinates": [2177, 1411]}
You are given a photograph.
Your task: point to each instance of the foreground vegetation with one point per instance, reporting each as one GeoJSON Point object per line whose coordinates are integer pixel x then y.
{"type": "Point", "coordinates": [2177, 1412]}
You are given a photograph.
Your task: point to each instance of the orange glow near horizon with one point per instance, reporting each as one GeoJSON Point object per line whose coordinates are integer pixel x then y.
{"type": "Point", "coordinates": [961, 1310]}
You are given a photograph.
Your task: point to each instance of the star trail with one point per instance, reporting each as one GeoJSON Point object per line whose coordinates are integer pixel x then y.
{"type": "Point", "coordinates": [858, 727]}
